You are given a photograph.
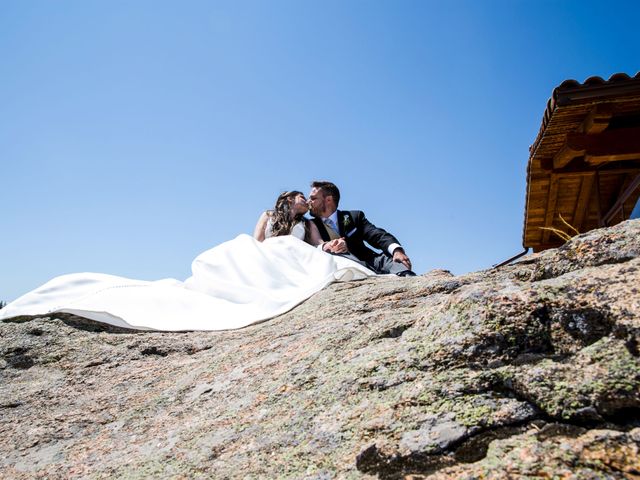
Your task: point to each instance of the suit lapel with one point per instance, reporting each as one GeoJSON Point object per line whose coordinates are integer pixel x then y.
{"type": "Point", "coordinates": [340, 224]}
{"type": "Point", "coordinates": [346, 222]}
{"type": "Point", "coordinates": [321, 229]}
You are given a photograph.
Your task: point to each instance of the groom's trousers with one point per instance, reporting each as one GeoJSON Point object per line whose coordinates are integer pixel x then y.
{"type": "Point", "coordinates": [380, 263]}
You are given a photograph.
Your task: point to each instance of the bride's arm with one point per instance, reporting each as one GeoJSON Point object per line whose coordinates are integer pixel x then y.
{"type": "Point", "coordinates": [258, 232]}
{"type": "Point", "coordinates": [314, 235]}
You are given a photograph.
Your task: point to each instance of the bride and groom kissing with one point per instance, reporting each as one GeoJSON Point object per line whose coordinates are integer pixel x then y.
{"type": "Point", "coordinates": [338, 232]}
{"type": "Point", "coordinates": [238, 282]}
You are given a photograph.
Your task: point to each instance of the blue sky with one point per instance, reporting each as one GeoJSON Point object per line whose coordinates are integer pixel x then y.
{"type": "Point", "coordinates": [135, 135]}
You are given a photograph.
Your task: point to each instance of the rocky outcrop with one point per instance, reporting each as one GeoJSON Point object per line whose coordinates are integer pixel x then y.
{"type": "Point", "coordinates": [531, 370]}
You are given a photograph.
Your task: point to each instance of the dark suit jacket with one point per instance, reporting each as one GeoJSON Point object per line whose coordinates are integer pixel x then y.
{"type": "Point", "coordinates": [356, 230]}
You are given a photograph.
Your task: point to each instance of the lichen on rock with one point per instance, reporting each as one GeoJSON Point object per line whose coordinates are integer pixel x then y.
{"type": "Point", "coordinates": [528, 371]}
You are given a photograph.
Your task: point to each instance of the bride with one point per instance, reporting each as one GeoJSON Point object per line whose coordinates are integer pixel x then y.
{"type": "Point", "coordinates": [287, 218]}
{"type": "Point", "coordinates": [237, 283]}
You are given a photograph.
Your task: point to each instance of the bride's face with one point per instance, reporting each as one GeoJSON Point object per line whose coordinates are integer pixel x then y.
{"type": "Point", "coordinates": [299, 205]}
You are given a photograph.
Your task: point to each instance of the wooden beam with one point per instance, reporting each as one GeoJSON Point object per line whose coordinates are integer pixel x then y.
{"type": "Point", "coordinates": [598, 199]}
{"type": "Point", "coordinates": [572, 173]}
{"type": "Point", "coordinates": [622, 198]}
{"type": "Point", "coordinates": [621, 144]}
{"type": "Point", "coordinates": [597, 120]}
{"type": "Point", "coordinates": [582, 205]}
{"type": "Point", "coordinates": [600, 159]}
{"type": "Point", "coordinates": [552, 200]}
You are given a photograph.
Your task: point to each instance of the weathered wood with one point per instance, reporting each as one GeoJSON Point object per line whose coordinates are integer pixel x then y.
{"type": "Point", "coordinates": [628, 188]}
{"type": "Point", "coordinates": [590, 170]}
{"type": "Point", "coordinates": [598, 119]}
{"type": "Point", "coordinates": [622, 144]}
{"type": "Point", "coordinates": [582, 205]}
{"type": "Point", "coordinates": [575, 193]}
{"type": "Point", "coordinates": [598, 199]}
{"type": "Point", "coordinates": [552, 200]}
{"type": "Point", "coordinates": [600, 159]}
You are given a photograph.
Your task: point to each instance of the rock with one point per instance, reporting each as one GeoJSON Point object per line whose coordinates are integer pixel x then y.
{"type": "Point", "coordinates": [595, 454]}
{"type": "Point", "coordinates": [528, 371]}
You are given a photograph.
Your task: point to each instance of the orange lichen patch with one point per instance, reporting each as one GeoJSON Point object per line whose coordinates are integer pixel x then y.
{"type": "Point", "coordinates": [615, 456]}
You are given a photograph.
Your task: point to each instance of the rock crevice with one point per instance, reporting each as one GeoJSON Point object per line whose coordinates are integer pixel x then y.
{"type": "Point", "coordinates": [530, 370]}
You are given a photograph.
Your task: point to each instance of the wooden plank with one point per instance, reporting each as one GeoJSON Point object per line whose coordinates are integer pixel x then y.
{"type": "Point", "coordinates": [589, 170]}
{"type": "Point", "coordinates": [582, 205]}
{"type": "Point", "coordinates": [535, 212]}
{"type": "Point", "coordinates": [539, 189]}
{"type": "Point", "coordinates": [615, 157]}
{"type": "Point", "coordinates": [572, 200]}
{"type": "Point", "coordinates": [551, 207]}
{"type": "Point", "coordinates": [598, 198]}
{"type": "Point", "coordinates": [591, 219]}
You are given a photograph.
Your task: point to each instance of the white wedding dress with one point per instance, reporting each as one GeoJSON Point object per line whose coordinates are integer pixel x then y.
{"type": "Point", "coordinates": [233, 285]}
{"type": "Point", "coordinates": [298, 230]}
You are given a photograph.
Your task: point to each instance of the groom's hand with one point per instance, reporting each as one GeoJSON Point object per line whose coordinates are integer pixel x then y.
{"type": "Point", "coordinates": [339, 245]}
{"type": "Point", "coordinates": [401, 257]}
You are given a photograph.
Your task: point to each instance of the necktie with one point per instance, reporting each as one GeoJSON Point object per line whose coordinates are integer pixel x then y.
{"type": "Point", "coordinates": [331, 230]}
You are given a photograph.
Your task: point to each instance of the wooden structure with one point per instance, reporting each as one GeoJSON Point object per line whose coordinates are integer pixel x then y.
{"type": "Point", "coordinates": [584, 166]}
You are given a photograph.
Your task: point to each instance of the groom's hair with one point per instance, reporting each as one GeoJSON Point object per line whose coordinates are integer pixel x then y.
{"type": "Point", "coordinates": [328, 188]}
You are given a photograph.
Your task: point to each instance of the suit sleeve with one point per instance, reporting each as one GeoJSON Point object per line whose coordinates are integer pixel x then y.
{"type": "Point", "coordinates": [374, 236]}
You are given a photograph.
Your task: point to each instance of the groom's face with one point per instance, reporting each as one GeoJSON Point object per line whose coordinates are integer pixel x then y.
{"type": "Point", "coordinates": [320, 204]}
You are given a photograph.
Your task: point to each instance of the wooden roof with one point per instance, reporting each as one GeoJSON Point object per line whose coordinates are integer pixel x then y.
{"type": "Point", "coordinates": [584, 165]}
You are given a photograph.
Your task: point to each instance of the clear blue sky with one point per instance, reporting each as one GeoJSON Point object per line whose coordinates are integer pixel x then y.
{"type": "Point", "coordinates": [134, 135]}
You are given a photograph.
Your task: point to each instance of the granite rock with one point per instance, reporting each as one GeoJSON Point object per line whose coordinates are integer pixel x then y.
{"type": "Point", "coordinates": [528, 371]}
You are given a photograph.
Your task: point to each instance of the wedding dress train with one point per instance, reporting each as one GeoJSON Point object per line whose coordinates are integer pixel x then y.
{"type": "Point", "coordinates": [233, 285]}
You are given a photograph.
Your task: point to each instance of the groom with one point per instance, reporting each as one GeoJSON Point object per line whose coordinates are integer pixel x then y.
{"type": "Point", "coordinates": [344, 233]}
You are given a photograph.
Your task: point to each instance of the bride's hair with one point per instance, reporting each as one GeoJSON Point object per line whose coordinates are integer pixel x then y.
{"type": "Point", "coordinates": [281, 221]}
